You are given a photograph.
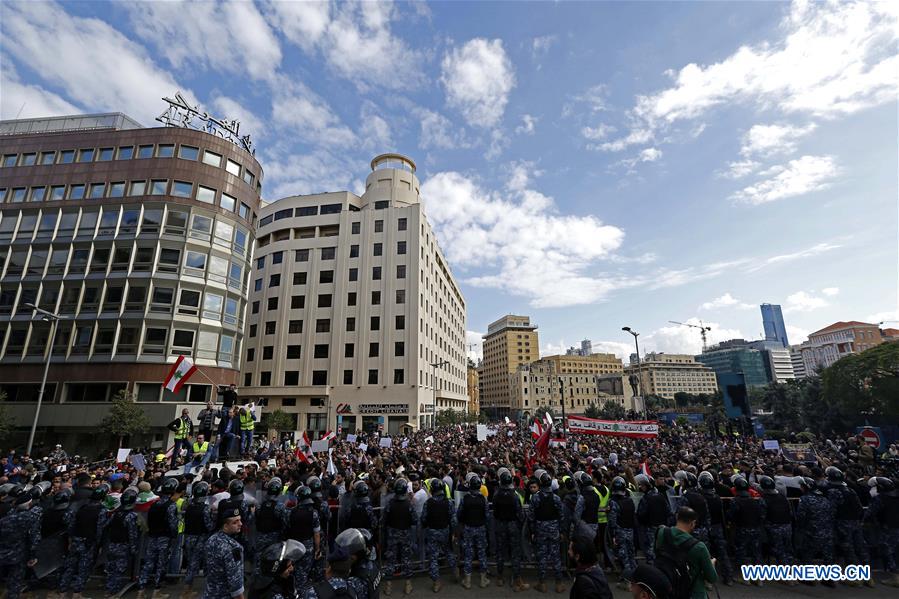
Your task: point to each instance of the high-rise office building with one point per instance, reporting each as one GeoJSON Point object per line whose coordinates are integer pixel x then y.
{"type": "Point", "coordinates": [773, 322]}
{"type": "Point", "coordinates": [140, 239]}
{"type": "Point", "coordinates": [736, 356]}
{"type": "Point", "coordinates": [510, 342]}
{"type": "Point", "coordinates": [355, 318]}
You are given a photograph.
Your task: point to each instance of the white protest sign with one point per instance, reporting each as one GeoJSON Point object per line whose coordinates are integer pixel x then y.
{"type": "Point", "coordinates": [404, 445]}
{"type": "Point", "coordinates": [363, 447]}
{"type": "Point", "coordinates": [122, 455]}
{"type": "Point", "coordinates": [351, 438]}
{"type": "Point", "coordinates": [386, 442]}
{"type": "Point", "coordinates": [482, 432]}
{"type": "Point", "coordinates": [772, 444]}
{"type": "Point", "coordinates": [137, 460]}
{"type": "Point", "coordinates": [506, 418]}
{"type": "Point", "coordinates": [429, 439]}
{"type": "Point", "coordinates": [319, 446]}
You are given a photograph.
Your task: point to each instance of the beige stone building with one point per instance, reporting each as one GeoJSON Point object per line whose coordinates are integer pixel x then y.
{"type": "Point", "coordinates": [354, 310]}
{"type": "Point", "coordinates": [666, 374]}
{"type": "Point", "coordinates": [474, 403]}
{"type": "Point", "coordinates": [510, 342]}
{"type": "Point", "coordinates": [598, 364]}
{"type": "Point", "coordinates": [831, 343]}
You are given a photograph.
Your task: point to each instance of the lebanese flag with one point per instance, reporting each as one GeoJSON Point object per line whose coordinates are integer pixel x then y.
{"type": "Point", "coordinates": [644, 468]}
{"type": "Point", "coordinates": [329, 435]}
{"type": "Point", "coordinates": [181, 370]}
{"type": "Point", "coordinates": [542, 445]}
{"type": "Point", "coordinates": [536, 429]}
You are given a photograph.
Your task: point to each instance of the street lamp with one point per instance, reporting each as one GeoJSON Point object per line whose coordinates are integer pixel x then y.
{"type": "Point", "coordinates": [639, 370]}
{"type": "Point", "coordinates": [434, 367]}
{"type": "Point", "coordinates": [52, 318]}
{"type": "Point", "coordinates": [562, 394]}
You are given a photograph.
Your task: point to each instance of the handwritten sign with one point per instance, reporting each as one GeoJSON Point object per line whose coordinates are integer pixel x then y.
{"type": "Point", "coordinates": [122, 455]}
{"type": "Point", "coordinates": [363, 446]}
{"type": "Point", "coordinates": [771, 444]}
{"type": "Point", "coordinates": [319, 446]}
{"type": "Point", "coordinates": [482, 432]}
{"type": "Point", "coordinates": [351, 438]}
{"type": "Point", "coordinates": [386, 442]}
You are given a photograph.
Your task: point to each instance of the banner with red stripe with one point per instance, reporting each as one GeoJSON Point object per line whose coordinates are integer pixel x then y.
{"type": "Point", "coordinates": [636, 429]}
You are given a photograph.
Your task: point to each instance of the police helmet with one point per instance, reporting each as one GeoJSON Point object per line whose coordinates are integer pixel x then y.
{"type": "Point", "coordinates": [680, 476]}
{"type": "Point", "coordinates": [360, 489]}
{"type": "Point", "coordinates": [767, 483]}
{"type": "Point", "coordinates": [274, 486]}
{"type": "Point", "coordinates": [642, 479]}
{"type": "Point", "coordinates": [276, 557]}
{"type": "Point", "coordinates": [741, 484]}
{"type": "Point", "coordinates": [543, 479]}
{"type": "Point", "coordinates": [235, 487]}
{"type": "Point", "coordinates": [5, 489]}
{"type": "Point", "coordinates": [169, 486]}
{"type": "Point", "coordinates": [585, 479]}
{"type": "Point", "coordinates": [619, 485]}
{"type": "Point", "coordinates": [36, 492]}
{"type": "Point", "coordinates": [437, 486]}
{"type": "Point", "coordinates": [808, 483]}
{"type": "Point", "coordinates": [505, 477]}
{"type": "Point", "coordinates": [706, 480]}
{"type": "Point", "coordinates": [473, 481]}
{"type": "Point", "coordinates": [351, 540]}
{"type": "Point", "coordinates": [43, 488]}
{"type": "Point", "coordinates": [304, 494]}
{"type": "Point", "coordinates": [200, 490]}
{"type": "Point", "coordinates": [314, 483]}
{"type": "Point", "coordinates": [690, 481]}
{"type": "Point", "coordinates": [834, 474]}
{"type": "Point", "coordinates": [128, 499]}
{"type": "Point", "coordinates": [61, 500]}
{"type": "Point", "coordinates": [822, 485]}
{"type": "Point", "coordinates": [401, 487]}
{"type": "Point", "coordinates": [884, 485]}
{"type": "Point", "coordinates": [100, 493]}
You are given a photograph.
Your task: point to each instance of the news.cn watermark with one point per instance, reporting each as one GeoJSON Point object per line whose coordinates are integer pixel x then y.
{"type": "Point", "coordinates": [806, 573]}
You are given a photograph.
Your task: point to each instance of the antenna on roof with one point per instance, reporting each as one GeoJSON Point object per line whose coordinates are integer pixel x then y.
{"type": "Point", "coordinates": [20, 110]}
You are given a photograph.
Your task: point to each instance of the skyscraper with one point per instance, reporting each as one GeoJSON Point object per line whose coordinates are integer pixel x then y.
{"type": "Point", "coordinates": [773, 321]}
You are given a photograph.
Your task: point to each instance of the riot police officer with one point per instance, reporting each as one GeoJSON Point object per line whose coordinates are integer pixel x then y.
{"type": "Point", "coordinates": [778, 522]}
{"type": "Point", "coordinates": [271, 519]}
{"type": "Point", "coordinates": [587, 508]}
{"type": "Point", "coordinates": [849, 513]}
{"type": "Point", "coordinates": [224, 557]}
{"type": "Point", "coordinates": [276, 563]}
{"type": "Point", "coordinates": [303, 525]}
{"type": "Point", "coordinates": [399, 520]}
{"type": "Point", "coordinates": [362, 514]}
{"type": "Point", "coordinates": [508, 517]}
{"type": "Point", "coordinates": [324, 516]}
{"type": "Point", "coordinates": [123, 542]}
{"type": "Point", "coordinates": [20, 534]}
{"type": "Point", "coordinates": [438, 519]}
{"type": "Point", "coordinates": [474, 516]}
{"type": "Point", "coordinates": [653, 511]}
{"type": "Point", "coordinates": [717, 539]}
{"type": "Point", "coordinates": [693, 499]}
{"type": "Point", "coordinates": [814, 517]}
{"type": "Point", "coordinates": [363, 570]}
{"type": "Point", "coordinates": [622, 522]}
{"type": "Point", "coordinates": [748, 516]}
{"type": "Point", "coordinates": [546, 511]}
{"type": "Point", "coordinates": [85, 533]}
{"type": "Point", "coordinates": [884, 512]}
{"type": "Point", "coordinates": [162, 530]}
{"type": "Point", "coordinates": [198, 525]}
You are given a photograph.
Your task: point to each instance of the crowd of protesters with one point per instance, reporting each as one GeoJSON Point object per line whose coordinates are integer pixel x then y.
{"type": "Point", "coordinates": [492, 508]}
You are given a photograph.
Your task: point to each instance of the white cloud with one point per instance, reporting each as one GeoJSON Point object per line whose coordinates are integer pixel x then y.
{"type": "Point", "coordinates": [803, 301]}
{"type": "Point", "coordinates": [815, 250]}
{"type": "Point", "coordinates": [620, 348]}
{"type": "Point", "coordinates": [766, 140]}
{"type": "Point", "coordinates": [478, 78]}
{"type": "Point", "coordinates": [300, 174]}
{"type": "Point", "coordinates": [96, 66]}
{"type": "Point", "coordinates": [303, 23]}
{"type": "Point", "coordinates": [523, 244]}
{"type": "Point", "coordinates": [229, 108]}
{"type": "Point", "coordinates": [679, 339]}
{"type": "Point", "coordinates": [542, 44]}
{"type": "Point", "coordinates": [597, 133]}
{"type": "Point", "coordinates": [726, 301]}
{"type": "Point", "coordinates": [527, 125]}
{"type": "Point", "coordinates": [635, 137]}
{"type": "Point", "coordinates": [498, 142]}
{"type": "Point", "coordinates": [20, 100]}
{"type": "Point", "coordinates": [741, 168]}
{"type": "Point", "coordinates": [225, 36]}
{"type": "Point", "coordinates": [296, 106]}
{"type": "Point", "coordinates": [831, 291]}
{"type": "Point", "coordinates": [799, 177]}
{"type": "Point", "coordinates": [437, 131]}
{"type": "Point", "coordinates": [594, 98]}
{"type": "Point", "coordinates": [474, 345]}
{"type": "Point", "coordinates": [645, 155]}
{"type": "Point", "coordinates": [795, 334]}
{"type": "Point", "coordinates": [375, 131]}
{"type": "Point", "coordinates": [668, 277]}
{"type": "Point", "coordinates": [890, 318]}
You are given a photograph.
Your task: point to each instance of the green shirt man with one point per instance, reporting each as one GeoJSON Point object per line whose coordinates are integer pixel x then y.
{"type": "Point", "coordinates": [701, 564]}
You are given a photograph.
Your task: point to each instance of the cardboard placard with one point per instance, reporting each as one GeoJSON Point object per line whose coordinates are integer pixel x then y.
{"type": "Point", "coordinates": [772, 444]}
{"type": "Point", "coordinates": [319, 446]}
{"type": "Point", "coordinates": [482, 432]}
{"type": "Point", "coordinates": [363, 446]}
{"type": "Point", "coordinates": [386, 442]}
{"type": "Point", "coordinates": [404, 445]}
{"type": "Point", "coordinates": [122, 455]}
{"type": "Point", "coordinates": [351, 438]}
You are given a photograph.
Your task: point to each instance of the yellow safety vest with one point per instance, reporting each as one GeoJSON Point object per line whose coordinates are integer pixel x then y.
{"type": "Point", "coordinates": [180, 504]}
{"type": "Point", "coordinates": [446, 491]}
{"type": "Point", "coordinates": [601, 516]}
{"type": "Point", "coordinates": [182, 429]}
{"type": "Point", "coordinates": [246, 422]}
{"type": "Point", "coordinates": [201, 448]}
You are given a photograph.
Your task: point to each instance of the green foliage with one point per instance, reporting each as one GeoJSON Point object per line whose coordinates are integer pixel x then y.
{"type": "Point", "coordinates": [5, 420]}
{"type": "Point", "coordinates": [450, 417]}
{"type": "Point", "coordinates": [278, 421]}
{"type": "Point", "coordinates": [540, 414]}
{"type": "Point", "coordinates": [125, 417]}
{"type": "Point", "coordinates": [592, 411]}
{"type": "Point", "coordinates": [612, 411]}
{"type": "Point", "coordinates": [865, 383]}
{"type": "Point", "coordinates": [682, 421]}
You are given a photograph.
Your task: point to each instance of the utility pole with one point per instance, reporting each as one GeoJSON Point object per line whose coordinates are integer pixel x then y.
{"type": "Point", "coordinates": [562, 393]}
{"type": "Point", "coordinates": [52, 318]}
{"type": "Point", "coordinates": [434, 367]}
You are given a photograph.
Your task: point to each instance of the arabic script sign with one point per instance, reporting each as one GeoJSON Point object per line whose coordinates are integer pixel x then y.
{"type": "Point", "coordinates": [181, 114]}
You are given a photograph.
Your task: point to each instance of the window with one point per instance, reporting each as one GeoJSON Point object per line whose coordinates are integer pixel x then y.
{"type": "Point", "coordinates": [347, 377]}
{"type": "Point", "coordinates": [165, 150]}
{"type": "Point", "coordinates": [85, 155]}
{"type": "Point", "coordinates": [349, 350]}
{"type": "Point", "coordinates": [233, 168]}
{"type": "Point", "coordinates": [227, 202]}
{"type": "Point", "coordinates": [319, 377]}
{"type": "Point", "coordinates": [400, 296]}
{"type": "Point", "coordinates": [266, 220]}
{"type": "Point", "coordinates": [354, 228]}
{"type": "Point", "coordinates": [244, 212]}
{"type": "Point", "coordinates": [251, 354]}
{"type": "Point", "coordinates": [204, 194]}
{"type": "Point", "coordinates": [189, 302]}
{"type": "Point", "coordinates": [354, 274]}
{"type": "Point", "coordinates": [183, 338]}
{"type": "Point", "coordinates": [379, 249]}
{"type": "Point", "coordinates": [297, 302]}
{"type": "Point", "coordinates": [401, 224]}
{"type": "Point", "coordinates": [299, 278]}
{"type": "Point", "coordinates": [96, 191]}
{"type": "Point", "coordinates": [274, 281]}
{"type": "Point", "coordinates": [375, 323]}
{"type": "Point", "coordinates": [398, 376]}
{"type": "Point", "coordinates": [18, 194]}
{"type": "Point", "coordinates": [282, 214]}
{"type": "Point", "coordinates": [188, 152]}
{"type": "Point", "coordinates": [254, 308]}
{"type": "Point", "coordinates": [212, 306]}
{"type": "Point", "coordinates": [195, 260]}
{"type": "Point", "coordinates": [400, 247]}
{"type": "Point", "coordinates": [324, 300]}
{"type": "Point", "coordinates": [373, 376]}
{"type": "Point", "coordinates": [157, 187]}
{"type": "Point", "coordinates": [326, 276]}
{"type": "Point", "coordinates": [183, 189]}
{"type": "Point", "coordinates": [48, 157]}
{"type": "Point", "coordinates": [57, 192]}
{"type": "Point", "coordinates": [265, 379]}
{"type": "Point", "coordinates": [400, 322]}
{"type": "Point", "coordinates": [351, 298]}
{"type": "Point", "coordinates": [307, 211]}
{"type": "Point", "coordinates": [328, 253]}
{"type": "Point", "coordinates": [292, 377]}
{"type": "Point", "coordinates": [105, 154]}
{"type": "Point", "coordinates": [293, 352]}
{"type": "Point", "coordinates": [379, 226]}
{"type": "Point", "coordinates": [125, 153]}
{"type": "Point", "coordinates": [323, 325]}
{"type": "Point", "coordinates": [330, 209]}
{"type": "Point", "coordinates": [295, 326]}
{"type": "Point", "coordinates": [321, 350]}
{"type": "Point", "coordinates": [257, 285]}
{"type": "Point", "coordinates": [376, 298]}
{"type": "Point", "coordinates": [382, 204]}
{"type": "Point", "coordinates": [9, 160]}
{"type": "Point", "coordinates": [248, 379]}
{"type": "Point", "coordinates": [154, 341]}
{"type": "Point", "coordinates": [376, 273]}
{"type": "Point", "coordinates": [277, 257]}
{"type": "Point", "coordinates": [212, 159]}
{"type": "Point", "coordinates": [248, 177]}
{"type": "Point", "coordinates": [302, 256]}
{"type": "Point", "coordinates": [268, 352]}
{"type": "Point", "coordinates": [272, 303]}
{"type": "Point", "coordinates": [373, 350]}
{"type": "Point", "coordinates": [145, 152]}
{"type": "Point", "coordinates": [400, 271]}
{"type": "Point", "coordinates": [354, 251]}
{"type": "Point", "coordinates": [38, 194]}
{"type": "Point", "coordinates": [117, 190]}
{"type": "Point", "coordinates": [66, 157]}
{"type": "Point", "coordinates": [350, 324]}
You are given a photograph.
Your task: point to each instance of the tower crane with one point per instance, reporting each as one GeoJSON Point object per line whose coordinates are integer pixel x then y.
{"type": "Point", "coordinates": [702, 330]}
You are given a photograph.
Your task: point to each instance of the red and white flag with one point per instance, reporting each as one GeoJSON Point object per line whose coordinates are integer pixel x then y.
{"type": "Point", "coordinates": [304, 448]}
{"type": "Point", "coordinates": [536, 429]}
{"type": "Point", "coordinates": [644, 468]}
{"type": "Point", "coordinates": [329, 435]}
{"type": "Point", "coordinates": [181, 370]}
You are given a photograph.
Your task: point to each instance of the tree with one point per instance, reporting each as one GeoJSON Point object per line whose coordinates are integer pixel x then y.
{"type": "Point", "coordinates": [612, 410]}
{"type": "Point", "coordinates": [592, 411]}
{"type": "Point", "coordinates": [865, 383]}
{"type": "Point", "coordinates": [125, 417]}
{"type": "Point", "coordinates": [278, 421]}
{"type": "Point", "coordinates": [5, 420]}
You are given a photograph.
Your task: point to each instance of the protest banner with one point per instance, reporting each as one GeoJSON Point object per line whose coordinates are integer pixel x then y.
{"type": "Point", "coordinates": [771, 444]}
{"type": "Point", "coordinates": [319, 446]}
{"type": "Point", "coordinates": [386, 442]}
{"type": "Point", "coordinates": [482, 432]}
{"type": "Point", "coordinates": [351, 438]}
{"type": "Point", "coordinates": [799, 453]}
{"type": "Point", "coordinates": [363, 446]}
{"type": "Point", "coordinates": [635, 429]}
{"type": "Point", "coordinates": [122, 455]}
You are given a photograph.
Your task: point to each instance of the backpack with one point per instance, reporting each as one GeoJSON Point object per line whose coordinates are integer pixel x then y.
{"type": "Point", "coordinates": [671, 559]}
{"type": "Point", "coordinates": [324, 590]}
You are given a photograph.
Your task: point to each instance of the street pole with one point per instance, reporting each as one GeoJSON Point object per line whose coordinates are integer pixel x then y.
{"type": "Point", "coordinates": [53, 318]}
{"type": "Point", "coordinates": [639, 368]}
{"type": "Point", "coordinates": [434, 367]}
{"type": "Point", "coordinates": [562, 393]}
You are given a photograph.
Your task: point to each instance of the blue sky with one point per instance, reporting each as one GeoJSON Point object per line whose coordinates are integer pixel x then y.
{"type": "Point", "coordinates": [592, 165]}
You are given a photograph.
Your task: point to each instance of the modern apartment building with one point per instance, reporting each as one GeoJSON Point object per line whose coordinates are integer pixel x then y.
{"type": "Point", "coordinates": [510, 342]}
{"type": "Point", "coordinates": [831, 343]}
{"type": "Point", "coordinates": [666, 374]}
{"type": "Point", "coordinates": [140, 239]}
{"type": "Point", "coordinates": [354, 310]}
{"type": "Point", "coordinates": [735, 356]}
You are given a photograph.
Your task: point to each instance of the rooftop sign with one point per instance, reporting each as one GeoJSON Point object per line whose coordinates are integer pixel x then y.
{"type": "Point", "coordinates": [181, 114]}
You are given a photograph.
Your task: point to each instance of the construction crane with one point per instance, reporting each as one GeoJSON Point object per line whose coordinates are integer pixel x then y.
{"type": "Point", "coordinates": [702, 330]}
